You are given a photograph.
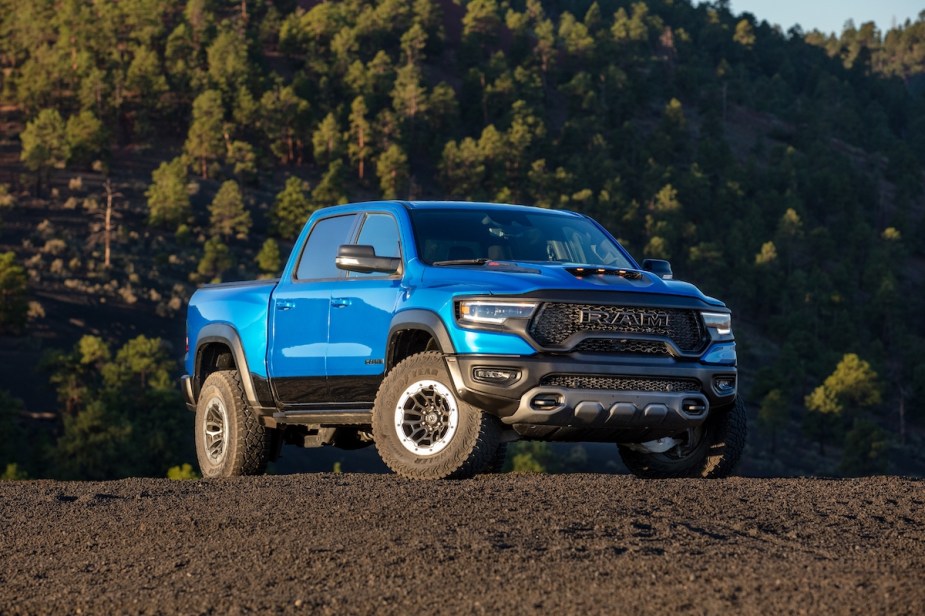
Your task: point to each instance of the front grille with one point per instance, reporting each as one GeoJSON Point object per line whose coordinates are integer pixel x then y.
{"type": "Point", "coordinates": [614, 345]}
{"type": "Point", "coordinates": [621, 383]}
{"type": "Point", "coordinates": [556, 322]}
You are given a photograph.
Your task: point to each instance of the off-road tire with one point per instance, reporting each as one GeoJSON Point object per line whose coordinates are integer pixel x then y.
{"type": "Point", "coordinates": [715, 455]}
{"type": "Point", "coordinates": [471, 448]}
{"type": "Point", "coordinates": [246, 446]}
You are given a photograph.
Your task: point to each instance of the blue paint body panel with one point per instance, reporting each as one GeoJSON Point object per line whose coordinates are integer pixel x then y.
{"type": "Point", "coordinates": [243, 306]}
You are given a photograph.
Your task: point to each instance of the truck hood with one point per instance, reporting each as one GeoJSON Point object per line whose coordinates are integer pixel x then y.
{"type": "Point", "coordinates": [516, 278]}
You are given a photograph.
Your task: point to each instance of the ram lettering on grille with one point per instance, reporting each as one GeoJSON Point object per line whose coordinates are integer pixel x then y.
{"type": "Point", "coordinates": [556, 322]}
{"type": "Point", "coordinates": [623, 318]}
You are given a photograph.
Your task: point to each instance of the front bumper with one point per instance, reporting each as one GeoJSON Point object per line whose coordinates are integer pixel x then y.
{"type": "Point", "coordinates": [590, 407]}
{"type": "Point", "coordinates": [528, 405]}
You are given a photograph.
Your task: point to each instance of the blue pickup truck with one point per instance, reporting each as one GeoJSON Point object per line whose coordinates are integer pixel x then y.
{"type": "Point", "coordinates": [442, 331]}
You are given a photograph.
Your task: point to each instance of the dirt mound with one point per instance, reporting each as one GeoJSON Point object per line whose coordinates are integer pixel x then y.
{"type": "Point", "coordinates": [496, 544]}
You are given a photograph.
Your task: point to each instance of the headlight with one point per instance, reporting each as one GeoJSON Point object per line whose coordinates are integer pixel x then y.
{"type": "Point", "coordinates": [718, 322]}
{"type": "Point", "coordinates": [494, 313]}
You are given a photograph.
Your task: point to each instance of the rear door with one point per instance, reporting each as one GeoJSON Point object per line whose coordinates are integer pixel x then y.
{"type": "Point", "coordinates": [362, 306]}
{"type": "Point", "coordinates": [299, 313]}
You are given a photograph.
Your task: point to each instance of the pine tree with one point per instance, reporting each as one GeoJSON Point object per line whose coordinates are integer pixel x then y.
{"type": "Point", "coordinates": [92, 444]}
{"type": "Point", "coordinates": [852, 386]}
{"type": "Point", "coordinates": [865, 449]}
{"type": "Point", "coordinates": [413, 42]}
{"type": "Point", "coordinates": [268, 259]}
{"type": "Point", "coordinates": [359, 147]}
{"type": "Point", "coordinates": [409, 98]}
{"type": "Point", "coordinates": [292, 209]}
{"type": "Point", "coordinates": [227, 59]}
{"type": "Point", "coordinates": [744, 35]}
{"type": "Point", "coordinates": [330, 190]}
{"type": "Point", "coordinates": [13, 289]}
{"type": "Point", "coordinates": [85, 136]}
{"type": "Point", "coordinates": [227, 214]}
{"type": "Point", "coordinates": [145, 80]}
{"type": "Point", "coordinates": [140, 363]}
{"type": "Point", "coordinates": [103, 435]}
{"type": "Point", "coordinates": [482, 19]}
{"type": "Point", "coordinates": [243, 159]}
{"type": "Point", "coordinates": [328, 141]}
{"type": "Point", "coordinates": [181, 59]}
{"type": "Point", "coordinates": [284, 116]}
{"type": "Point", "coordinates": [216, 260]}
{"type": "Point", "coordinates": [44, 144]}
{"type": "Point", "coordinates": [93, 351]}
{"type": "Point", "coordinates": [576, 40]}
{"type": "Point", "coordinates": [392, 169]}
{"type": "Point", "coordinates": [205, 141]}
{"type": "Point", "coordinates": [463, 168]}
{"type": "Point", "coordinates": [168, 197]}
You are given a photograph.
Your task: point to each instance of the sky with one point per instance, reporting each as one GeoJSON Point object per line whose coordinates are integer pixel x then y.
{"type": "Point", "coordinates": [830, 16]}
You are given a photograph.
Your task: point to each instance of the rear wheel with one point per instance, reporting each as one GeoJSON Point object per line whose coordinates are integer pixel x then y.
{"type": "Point", "coordinates": [711, 450]}
{"type": "Point", "coordinates": [497, 463]}
{"type": "Point", "coordinates": [423, 431]}
{"type": "Point", "coordinates": [229, 438]}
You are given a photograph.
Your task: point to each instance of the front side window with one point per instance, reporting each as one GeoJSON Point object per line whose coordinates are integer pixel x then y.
{"type": "Point", "coordinates": [317, 261]}
{"type": "Point", "coordinates": [381, 232]}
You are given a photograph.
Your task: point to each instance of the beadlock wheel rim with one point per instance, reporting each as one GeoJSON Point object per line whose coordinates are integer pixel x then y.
{"type": "Point", "coordinates": [426, 418]}
{"type": "Point", "coordinates": [214, 430]}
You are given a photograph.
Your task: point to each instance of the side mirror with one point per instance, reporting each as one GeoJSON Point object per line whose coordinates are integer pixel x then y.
{"type": "Point", "coordinates": [362, 259]}
{"type": "Point", "coordinates": [659, 267]}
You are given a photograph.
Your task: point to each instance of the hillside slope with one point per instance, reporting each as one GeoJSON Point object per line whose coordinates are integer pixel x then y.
{"type": "Point", "coordinates": [781, 172]}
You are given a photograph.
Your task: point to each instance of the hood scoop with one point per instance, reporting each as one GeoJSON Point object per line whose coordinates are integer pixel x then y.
{"type": "Point", "coordinates": [507, 266]}
{"type": "Point", "coordinates": [600, 272]}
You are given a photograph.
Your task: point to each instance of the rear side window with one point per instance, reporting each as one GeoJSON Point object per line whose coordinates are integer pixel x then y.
{"type": "Point", "coordinates": [317, 261]}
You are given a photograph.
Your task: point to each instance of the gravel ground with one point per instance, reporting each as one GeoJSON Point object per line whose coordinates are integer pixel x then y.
{"type": "Point", "coordinates": [498, 544]}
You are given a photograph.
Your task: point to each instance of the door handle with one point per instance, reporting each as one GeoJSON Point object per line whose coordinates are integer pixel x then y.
{"type": "Point", "coordinates": [340, 302]}
{"type": "Point", "coordinates": [285, 305]}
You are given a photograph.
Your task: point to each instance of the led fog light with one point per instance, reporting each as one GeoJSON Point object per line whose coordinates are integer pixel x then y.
{"type": "Point", "coordinates": [495, 376]}
{"type": "Point", "coordinates": [724, 385]}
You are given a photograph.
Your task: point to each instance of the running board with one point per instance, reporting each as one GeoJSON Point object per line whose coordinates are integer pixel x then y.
{"type": "Point", "coordinates": [325, 417]}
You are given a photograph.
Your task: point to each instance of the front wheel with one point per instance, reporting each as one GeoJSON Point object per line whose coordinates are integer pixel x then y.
{"type": "Point", "coordinates": [230, 440]}
{"type": "Point", "coordinates": [423, 431]}
{"type": "Point", "coordinates": [711, 450]}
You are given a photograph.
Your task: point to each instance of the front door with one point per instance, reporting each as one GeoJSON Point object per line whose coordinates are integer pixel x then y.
{"type": "Point", "coordinates": [299, 313]}
{"type": "Point", "coordinates": [362, 306]}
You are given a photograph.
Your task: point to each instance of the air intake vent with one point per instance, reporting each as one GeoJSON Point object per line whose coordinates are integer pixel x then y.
{"type": "Point", "coordinates": [612, 345]}
{"type": "Point", "coordinates": [621, 383]}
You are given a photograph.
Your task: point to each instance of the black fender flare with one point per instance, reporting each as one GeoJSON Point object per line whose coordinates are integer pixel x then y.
{"type": "Point", "coordinates": [430, 322]}
{"type": "Point", "coordinates": [423, 320]}
{"type": "Point", "coordinates": [223, 333]}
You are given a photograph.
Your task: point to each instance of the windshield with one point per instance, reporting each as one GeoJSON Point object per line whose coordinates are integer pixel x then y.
{"type": "Point", "coordinates": [470, 235]}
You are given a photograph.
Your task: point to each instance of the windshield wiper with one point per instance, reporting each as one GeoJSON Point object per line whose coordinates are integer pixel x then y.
{"type": "Point", "coordinates": [479, 261]}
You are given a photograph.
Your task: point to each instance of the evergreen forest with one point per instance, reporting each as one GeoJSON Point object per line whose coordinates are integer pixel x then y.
{"type": "Point", "coordinates": [150, 146]}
